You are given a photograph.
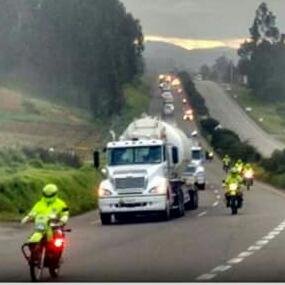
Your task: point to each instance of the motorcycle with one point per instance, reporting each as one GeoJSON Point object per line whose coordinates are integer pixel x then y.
{"type": "Point", "coordinates": [248, 179]}
{"type": "Point", "coordinates": [234, 199]}
{"type": "Point", "coordinates": [226, 167]}
{"type": "Point", "coordinates": [45, 247]}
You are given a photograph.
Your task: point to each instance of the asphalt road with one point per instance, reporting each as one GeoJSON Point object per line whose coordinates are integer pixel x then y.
{"type": "Point", "coordinates": [223, 108]}
{"type": "Point", "coordinates": [207, 244]}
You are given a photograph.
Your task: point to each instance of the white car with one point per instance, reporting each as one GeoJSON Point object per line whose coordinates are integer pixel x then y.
{"type": "Point", "coordinates": [167, 97]}
{"type": "Point", "coordinates": [195, 174]}
{"type": "Point", "coordinates": [168, 109]}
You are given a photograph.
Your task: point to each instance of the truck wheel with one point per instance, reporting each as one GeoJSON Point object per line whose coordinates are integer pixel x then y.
{"type": "Point", "coordinates": [165, 215]}
{"type": "Point", "coordinates": [180, 210]}
{"type": "Point", "coordinates": [106, 219]}
{"type": "Point", "coordinates": [202, 186]}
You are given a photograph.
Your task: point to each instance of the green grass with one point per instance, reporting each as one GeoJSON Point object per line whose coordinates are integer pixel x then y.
{"type": "Point", "coordinates": [21, 181]}
{"type": "Point", "coordinates": [21, 188]}
{"type": "Point", "coordinates": [272, 113]}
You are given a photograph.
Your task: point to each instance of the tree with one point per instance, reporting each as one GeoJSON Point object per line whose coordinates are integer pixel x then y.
{"type": "Point", "coordinates": [262, 57]}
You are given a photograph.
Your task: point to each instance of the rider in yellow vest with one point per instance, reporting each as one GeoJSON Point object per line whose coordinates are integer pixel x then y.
{"type": "Point", "coordinates": [49, 205]}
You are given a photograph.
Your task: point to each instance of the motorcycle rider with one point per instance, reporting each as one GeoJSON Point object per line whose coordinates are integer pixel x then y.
{"type": "Point", "coordinates": [49, 205]}
{"type": "Point", "coordinates": [239, 166]}
{"type": "Point", "coordinates": [226, 161]}
{"type": "Point", "coordinates": [233, 177]}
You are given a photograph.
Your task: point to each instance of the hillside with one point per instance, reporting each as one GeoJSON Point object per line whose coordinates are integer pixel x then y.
{"type": "Point", "coordinates": [163, 56]}
{"type": "Point", "coordinates": [26, 121]}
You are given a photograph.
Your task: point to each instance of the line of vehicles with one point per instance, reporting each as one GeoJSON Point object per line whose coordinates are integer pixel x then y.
{"type": "Point", "coordinates": [153, 168]}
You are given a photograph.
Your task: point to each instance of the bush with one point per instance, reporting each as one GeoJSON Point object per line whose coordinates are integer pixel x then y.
{"type": "Point", "coordinates": [208, 125]}
{"type": "Point", "coordinates": [275, 164]}
{"type": "Point", "coordinates": [51, 156]}
{"type": "Point", "coordinates": [21, 190]}
{"type": "Point", "coordinates": [196, 100]}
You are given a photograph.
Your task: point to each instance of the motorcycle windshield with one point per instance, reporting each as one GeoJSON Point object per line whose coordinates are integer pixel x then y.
{"type": "Point", "coordinates": [41, 223]}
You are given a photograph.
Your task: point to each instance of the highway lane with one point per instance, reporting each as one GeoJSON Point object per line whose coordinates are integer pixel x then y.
{"type": "Point", "coordinates": [231, 116]}
{"type": "Point", "coordinates": [182, 249]}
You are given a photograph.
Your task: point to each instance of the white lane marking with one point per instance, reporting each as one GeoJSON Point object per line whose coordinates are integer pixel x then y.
{"type": "Point", "coordinates": [255, 247]}
{"type": "Point", "coordinates": [269, 237]}
{"type": "Point", "coordinates": [222, 268]}
{"type": "Point", "coordinates": [262, 242]}
{"type": "Point", "coordinates": [202, 214]}
{"type": "Point", "coordinates": [218, 197]}
{"type": "Point", "coordinates": [95, 222]}
{"type": "Point", "coordinates": [207, 276]}
{"type": "Point", "coordinates": [216, 191]}
{"type": "Point", "coordinates": [251, 250]}
{"type": "Point", "coordinates": [245, 254]}
{"type": "Point", "coordinates": [235, 260]}
{"type": "Point", "coordinates": [279, 228]}
{"type": "Point", "coordinates": [215, 204]}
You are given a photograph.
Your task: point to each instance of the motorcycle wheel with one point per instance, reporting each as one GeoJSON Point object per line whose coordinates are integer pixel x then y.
{"type": "Point", "coordinates": [54, 272]}
{"type": "Point", "coordinates": [234, 210]}
{"type": "Point", "coordinates": [36, 270]}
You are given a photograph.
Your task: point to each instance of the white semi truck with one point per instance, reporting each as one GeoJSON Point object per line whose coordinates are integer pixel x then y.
{"type": "Point", "coordinates": [144, 172]}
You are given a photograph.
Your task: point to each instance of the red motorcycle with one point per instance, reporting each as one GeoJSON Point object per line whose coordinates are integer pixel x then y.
{"type": "Point", "coordinates": [43, 252]}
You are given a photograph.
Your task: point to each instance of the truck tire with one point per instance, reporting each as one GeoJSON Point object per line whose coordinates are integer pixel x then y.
{"type": "Point", "coordinates": [180, 210]}
{"type": "Point", "coordinates": [166, 214]}
{"type": "Point", "coordinates": [202, 186]}
{"type": "Point", "coordinates": [106, 219]}
{"type": "Point", "coordinates": [194, 200]}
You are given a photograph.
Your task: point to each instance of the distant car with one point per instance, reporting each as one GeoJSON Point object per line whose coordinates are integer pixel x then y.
{"type": "Point", "coordinates": [188, 115]}
{"type": "Point", "coordinates": [168, 109]}
{"type": "Point", "coordinates": [195, 175]}
{"type": "Point", "coordinates": [165, 87]}
{"type": "Point", "coordinates": [199, 77]}
{"type": "Point", "coordinates": [184, 100]}
{"type": "Point", "coordinates": [167, 97]}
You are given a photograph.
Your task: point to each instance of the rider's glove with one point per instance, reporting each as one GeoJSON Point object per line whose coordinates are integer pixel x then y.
{"type": "Point", "coordinates": [25, 220]}
{"type": "Point", "coordinates": [64, 219]}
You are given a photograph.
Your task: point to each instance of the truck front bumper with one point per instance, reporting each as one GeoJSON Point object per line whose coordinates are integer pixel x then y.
{"type": "Point", "coordinates": [133, 204]}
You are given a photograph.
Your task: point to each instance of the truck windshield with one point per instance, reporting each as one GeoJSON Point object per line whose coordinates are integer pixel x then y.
{"type": "Point", "coordinates": [196, 154]}
{"type": "Point", "coordinates": [135, 155]}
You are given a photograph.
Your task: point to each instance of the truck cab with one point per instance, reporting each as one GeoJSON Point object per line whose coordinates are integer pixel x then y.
{"type": "Point", "coordinates": [143, 172]}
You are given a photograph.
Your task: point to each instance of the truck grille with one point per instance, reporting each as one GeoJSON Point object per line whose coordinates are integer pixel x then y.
{"type": "Point", "coordinates": [130, 183]}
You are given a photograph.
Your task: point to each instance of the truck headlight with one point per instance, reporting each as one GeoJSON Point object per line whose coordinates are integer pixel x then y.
{"type": "Point", "coordinates": [104, 192]}
{"type": "Point", "coordinates": [161, 189]}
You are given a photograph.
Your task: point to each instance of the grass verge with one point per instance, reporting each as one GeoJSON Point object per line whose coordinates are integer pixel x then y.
{"type": "Point", "coordinates": [269, 116]}
{"type": "Point", "coordinates": [21, 188]}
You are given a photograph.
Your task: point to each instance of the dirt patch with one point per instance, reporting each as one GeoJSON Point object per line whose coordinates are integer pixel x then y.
{"type": "Point", "coordinates": [10, 101]}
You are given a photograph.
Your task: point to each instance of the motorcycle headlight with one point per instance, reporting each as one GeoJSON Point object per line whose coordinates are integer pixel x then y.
{"type": "Point", "coordinates": [248, 174]}
{"type": "Point", "coordinates": [104, 192]}
{"type": "Point", "coordinates": [233, 186]}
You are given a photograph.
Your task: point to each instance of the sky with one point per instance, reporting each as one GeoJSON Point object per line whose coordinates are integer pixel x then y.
{"type": "Point", "coordinates": [198, 24]}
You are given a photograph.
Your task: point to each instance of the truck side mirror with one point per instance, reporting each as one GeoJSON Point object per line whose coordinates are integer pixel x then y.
{"type": "Point", "coordinates": [175, 155]}
{"type": "Point", "coordinates": [96, 159]}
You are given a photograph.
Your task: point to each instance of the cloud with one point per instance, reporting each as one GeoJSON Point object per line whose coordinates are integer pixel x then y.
{"type": "Point", "coordinates": [192, 44]}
